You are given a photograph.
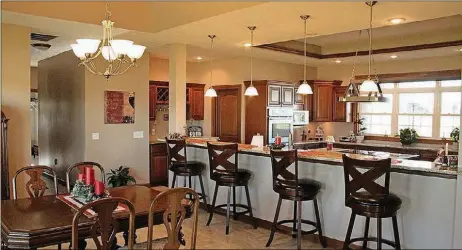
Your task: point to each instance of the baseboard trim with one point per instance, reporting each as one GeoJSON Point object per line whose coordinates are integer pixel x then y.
{"type": "Point", "coordinates": [331, 243]}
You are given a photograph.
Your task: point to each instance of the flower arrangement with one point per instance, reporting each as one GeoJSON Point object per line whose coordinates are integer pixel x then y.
{"type": "Point", "coordinates": [88, 189]}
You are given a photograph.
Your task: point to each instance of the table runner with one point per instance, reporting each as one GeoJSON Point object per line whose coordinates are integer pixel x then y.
{"type": "Point", "coordinates": [75, 204]}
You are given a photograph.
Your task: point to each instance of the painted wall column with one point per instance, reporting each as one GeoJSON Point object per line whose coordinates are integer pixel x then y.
{"type": "Point", "coordinates": [177, 89]}
{"type": "Point", "coordinates": [457, 240]}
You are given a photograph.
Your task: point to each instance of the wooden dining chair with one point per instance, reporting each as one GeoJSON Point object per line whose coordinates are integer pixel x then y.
{"type": "Point", "coordinates": [35, 186]}
{"type": "Point", "coordinates": [103, 231]}
{"type": "Point", "coordinates": [175, 200]}
{"type": "Point", "coordinates": [81, 167]}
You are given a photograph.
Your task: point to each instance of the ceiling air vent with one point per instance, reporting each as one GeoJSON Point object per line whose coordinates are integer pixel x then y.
{"type": "Point", "coordinates": [41, 37]}
{"type": "Point", "coordinates": [41, 46]}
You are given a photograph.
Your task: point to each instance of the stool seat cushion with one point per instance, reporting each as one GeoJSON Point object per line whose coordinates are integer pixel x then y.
{"type": "Point", "coordinates": [364, 201]}
{"type": "Point", "coordinates": [243, 176]}
{"type": "Point", "coordinates": [193, 167]}
{"type": "Point", "coordinates": [308, 189]}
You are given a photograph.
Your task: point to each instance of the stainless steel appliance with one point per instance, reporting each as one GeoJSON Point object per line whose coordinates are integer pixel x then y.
{"type": "Point", "coordinates": [301, 117]}
{"type": "Point", "coordinates": [280, 123]}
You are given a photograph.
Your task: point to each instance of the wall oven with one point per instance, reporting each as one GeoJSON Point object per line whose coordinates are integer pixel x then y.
{"type": "Point", "coordinates": [279, 123]}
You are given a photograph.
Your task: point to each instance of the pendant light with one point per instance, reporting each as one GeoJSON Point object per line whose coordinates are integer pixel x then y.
{"type": "Point", "coordinates": [369, 85]}
{"type": "Point", "coordinates": [211, 91]}
{"type": "Point", "coordinates": [304, 88]}
{"type": "Point", "coordinates": [251, 90]}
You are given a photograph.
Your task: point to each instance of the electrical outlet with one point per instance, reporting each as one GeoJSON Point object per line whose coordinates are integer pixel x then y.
{"type": "Point", "coordinates": [95, 136]}
{"type": "Point", "coordinates": [138, 134]}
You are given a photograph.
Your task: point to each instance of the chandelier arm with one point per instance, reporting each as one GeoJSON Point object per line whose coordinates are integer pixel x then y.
{"type": "Point", "coordinates": [93, 71]}
{"type": "Point", "coordinates": [125, 70]}
{"type": "Point", "coordinates": [356, 57]}
{"type": "Point", "coordinates": [103, 42]}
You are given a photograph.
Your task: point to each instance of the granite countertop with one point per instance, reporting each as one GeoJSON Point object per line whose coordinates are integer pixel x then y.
{"type": "Point", "coordinates": [335, 158]}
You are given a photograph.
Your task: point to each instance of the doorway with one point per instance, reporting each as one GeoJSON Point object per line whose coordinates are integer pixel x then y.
{"type": "Point", "coordinates": [226, 113]}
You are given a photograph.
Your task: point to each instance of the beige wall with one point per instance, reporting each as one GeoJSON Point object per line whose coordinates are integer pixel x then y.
{"type": "Point", "coordinates": [61, 87]}
{"type": "Point", "coordinates": [116, 145]}
{"type": "Point", "coordinates": [226, 72]}
{"type": "Point", "coordinates": [16, 94]}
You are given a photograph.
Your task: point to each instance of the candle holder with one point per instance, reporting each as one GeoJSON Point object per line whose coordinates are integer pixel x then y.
{"type": "Point", "coordinates": [86, 193]}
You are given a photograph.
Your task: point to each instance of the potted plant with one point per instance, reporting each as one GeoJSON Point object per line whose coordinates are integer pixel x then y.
{"type": "Point", "coordinates": [407, 136]}
{"type": "Point", "coordinates": [120, 177]}
{"type": "Point", "coordinates": [360, 134]}
{"type": "Point", "coordinates": [455, 136]}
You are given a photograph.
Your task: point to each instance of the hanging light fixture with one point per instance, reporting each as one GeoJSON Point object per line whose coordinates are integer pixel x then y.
{"type": "Point", "coordinates": [251, 90]}
{"type": "Point", "coordinates": [369, 86]}
{"type": "Point", "coordinates": [115, 52]}
{"type": "Point", "coordinates": [211, 91]}
{"type": "Point", "coordinates": [304, 88]}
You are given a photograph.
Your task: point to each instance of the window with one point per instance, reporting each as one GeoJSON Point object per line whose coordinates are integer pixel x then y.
{"type": "Point", "coordinates": [432, 108]}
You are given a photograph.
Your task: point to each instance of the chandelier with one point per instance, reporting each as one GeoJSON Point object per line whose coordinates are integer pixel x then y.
{"type": "Point", "coordinates": [120, 55]}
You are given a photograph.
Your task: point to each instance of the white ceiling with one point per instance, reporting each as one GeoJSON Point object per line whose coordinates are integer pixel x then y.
{"type": "Point", "coordinates": [275, 21]}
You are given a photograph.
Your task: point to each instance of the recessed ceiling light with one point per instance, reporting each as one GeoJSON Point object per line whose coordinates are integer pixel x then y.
{"type": "Point", "coordinates": [198, 58]}
{"type": "Point", "coordinates": [247, 44]}
{"type": "Point", "coordinates": [393, 56]}
{"type": "Point", "coordinates": [397, 20]}
{"type": "Point", "coordinates": [337, 61]}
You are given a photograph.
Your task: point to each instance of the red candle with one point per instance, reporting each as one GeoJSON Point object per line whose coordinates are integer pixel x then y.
{"type": "Point", "coordinates": [89, 175]}
{"type": "Point", "coordinates": [81, 177]}
{"type": "Point", "coordinates": [99, 188]}
{"type": "Point", "coordinates": [278, 140]}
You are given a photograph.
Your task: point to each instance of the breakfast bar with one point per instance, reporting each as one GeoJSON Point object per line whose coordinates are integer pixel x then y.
{"type": "Point", "coordinates": [425, 220]}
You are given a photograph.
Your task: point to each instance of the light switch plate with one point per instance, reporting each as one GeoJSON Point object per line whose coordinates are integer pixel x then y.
{"type": "Point", "coordinates": [138, 134]}
{"type": "Point", "coordinates": [95, 136]}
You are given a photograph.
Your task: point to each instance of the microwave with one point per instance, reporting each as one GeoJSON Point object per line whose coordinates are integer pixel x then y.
{"type": "Point", "coordinates": [301, 117]}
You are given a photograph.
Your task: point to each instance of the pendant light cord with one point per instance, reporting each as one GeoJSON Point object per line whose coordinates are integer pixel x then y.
{"type": "Point", "coordinates": [211, 59]}
{"type": "Point", "coordinates": [108, 13]}
{"type": "Point", "coordinates": [304, 54]}
{"type": "Point", "coordinates": [371, 4]}
{"type": "Point", "coordinates": [251, 56]}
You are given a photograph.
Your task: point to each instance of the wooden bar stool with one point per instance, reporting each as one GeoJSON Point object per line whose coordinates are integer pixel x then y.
{"type": "Point", "coordinates": [290, 187]}
{"type": "Point", "coordinates": [226, 173]}
{"type": "Point", "coordinates": [180, 166]}
{"type": "Point", "coordinates": [375, 201]}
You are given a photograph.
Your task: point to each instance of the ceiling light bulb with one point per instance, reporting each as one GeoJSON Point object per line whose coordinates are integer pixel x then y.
{"type": "Point", "coordinates": [108, 53]}
{"type": "Point", "coordinates": [211, 92]}
{"type": "Point", "coordinates": [247, 44]}
{"type": "Point", "coordinates": [368, 86]}
{"type": "Point", "coordinates": [251, 91]}
{"type": "Point", "coordinates": [78, 50]}
{"type": "Point", "coordinates": [393, 56]}
{"type": "Point", "coordinates": [121, 47]}
{"type": "Point", "coordinates": [304, 89]}
{"type": "Point", "coordinates": [89, 46]}
{"type": "Point", "coordinates": [337, 61]}
{"type": "Point", "coordinates": [136, 51]}
{"type": "Point", "coordinates": [198, 58]}
{"type": "Point", "coordinates": [397, 20]}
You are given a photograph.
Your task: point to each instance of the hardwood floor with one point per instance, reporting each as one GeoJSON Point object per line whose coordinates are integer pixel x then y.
{"type": "Point", "coordinates": [241, 236]}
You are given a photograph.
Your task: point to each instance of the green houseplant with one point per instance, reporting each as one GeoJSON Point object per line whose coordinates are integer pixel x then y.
{"type": "Point", "coordinates": [407, 136]}
{"type": "Point", "coordinates": [120, 177]}
{"type": "Point", "coordinates": [455, 134]}
{"type": "Point", "coordinates": [360, 134]}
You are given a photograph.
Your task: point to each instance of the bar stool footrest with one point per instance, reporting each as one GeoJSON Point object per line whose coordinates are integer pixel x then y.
{"type": "Point", "coordinates": [373, 239]}
{"type": "Point", "coordinates": [246, 211]}
{"type": "Point", "coordinates": [308, 222]}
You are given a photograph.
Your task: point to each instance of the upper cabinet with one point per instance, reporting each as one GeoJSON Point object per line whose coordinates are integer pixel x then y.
{"type": "Point", "coordinates": [339, 109]}
{"type": "Point", "coordinates": [281, 96]}
{"type": "Point", "coordinates": [274, 95]}
{"type": "Point", "coordinates": [159, 94]}
{"type": "Point", "coordinates": [287, 96]}
{"type": "Point", "coordinates": [325, 104]}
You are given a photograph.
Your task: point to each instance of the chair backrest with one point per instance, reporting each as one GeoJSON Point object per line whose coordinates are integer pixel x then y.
{"type": "Point", "coordinates": [103, 231]}
{"type": "Point", "coordinates": [35, 186]}
{"type": "Point", "coordinates": [81, 168]}
{"type": "Point", "coordinates": [174, 215]}
{"type": "Point", "coordinates": [366, 180]}
{"type": "Point", "coordinates": [219, 155]}
{"type": "Point", "coordinates": [174, 148]}
{"type": "Point", "coordinates": [283, 179]}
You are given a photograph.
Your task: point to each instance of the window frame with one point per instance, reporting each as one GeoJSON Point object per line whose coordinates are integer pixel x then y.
{"type": "Point", "coordinates": [437, 107]}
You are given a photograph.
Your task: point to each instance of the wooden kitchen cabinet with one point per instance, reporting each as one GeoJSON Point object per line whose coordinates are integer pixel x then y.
{"type": "Point", "coordinates": [299, 99]}
{"type": "Point", "coordinates": [287, 96]}
{"type": "Point", "coordinates": [339, 109]}
{"type": "Point", "coordinates": [322, 102]}
{"type": "Point", "coordinates": [274, 95]}
{"type": "Point", "coordinates": [196, 102]}
{"type": "Point", "coordinates": [158, 170]}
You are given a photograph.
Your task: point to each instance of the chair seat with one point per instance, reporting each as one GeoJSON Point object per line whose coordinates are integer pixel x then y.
{"type": "Point", "coordinates": [243, 176]}
{"type": "Point", "coordinates": [192, 167]}
{"type": "Point", "coordinates": [386, 205]}
{"type": "Point", "coordinates": [308, 190]}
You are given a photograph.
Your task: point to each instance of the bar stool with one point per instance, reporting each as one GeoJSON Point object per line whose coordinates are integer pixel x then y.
{"type": "Point", "coordinates": [290, 187]}
{"type": "Point", "coordinates": [226, 173]}
{"type": "Point", "coordinates": [375, 202]}
{"type": "Point", "coordinates": [180, 166]}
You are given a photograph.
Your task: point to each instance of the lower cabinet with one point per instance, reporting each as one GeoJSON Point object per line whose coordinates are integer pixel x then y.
{"type": "Point", "coordinates": [158, 173]}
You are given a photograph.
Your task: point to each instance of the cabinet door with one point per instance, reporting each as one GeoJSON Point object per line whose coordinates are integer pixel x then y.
{"type": "Point", "coordinates": [162, 95]}
{"type": "Point", "coordinates": [152, 102]}
{"type": "Point", "coordinates": [339, 108]}
{"type": "Point", "coordinates": [159, 171]}
{"type": "Point", "coordinates": [274, 95]}
{"type": "Point", "coordinates": [288, 96]}
{"type": "Point", "coordinates": [197, 103]}
{"type": "Point", "coordinates": [298, 98]}
{"type": "Point", "coordinates": [322, 102]}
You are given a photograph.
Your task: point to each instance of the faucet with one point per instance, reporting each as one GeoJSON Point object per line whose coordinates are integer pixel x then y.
{"type": "Point", "coordinates": [291, 140]}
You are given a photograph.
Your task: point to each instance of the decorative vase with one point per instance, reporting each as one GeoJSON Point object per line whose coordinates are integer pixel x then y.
{"type": "Point", "coordinates": [359, 138]}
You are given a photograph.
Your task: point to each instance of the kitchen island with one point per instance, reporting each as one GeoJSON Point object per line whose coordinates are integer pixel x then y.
{"type": "Point", "coordinates": [425, 220]}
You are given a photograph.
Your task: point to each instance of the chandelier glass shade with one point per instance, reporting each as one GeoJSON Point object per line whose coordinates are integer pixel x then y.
{"type": "Point", "coordinates": [211, 92]}
{"type": "Point", "coordinates": [251, 90]}
{"type": "Point", "coordinates": [120, 55]}
{"type": "Point", "coordinates": [368, 86]}
{"type": "Point", "coordinates": [304, 88]}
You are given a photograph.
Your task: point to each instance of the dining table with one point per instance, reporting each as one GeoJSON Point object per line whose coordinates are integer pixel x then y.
{"type": "Point", "coordinates": [30, 223]}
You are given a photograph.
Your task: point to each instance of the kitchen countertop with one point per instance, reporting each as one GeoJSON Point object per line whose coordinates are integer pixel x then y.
{"type": "Point", "coordinates": [335, 158]}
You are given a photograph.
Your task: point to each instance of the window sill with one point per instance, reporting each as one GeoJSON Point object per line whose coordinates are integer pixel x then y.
{"type": "Point", "coordinates": [419, 140]}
